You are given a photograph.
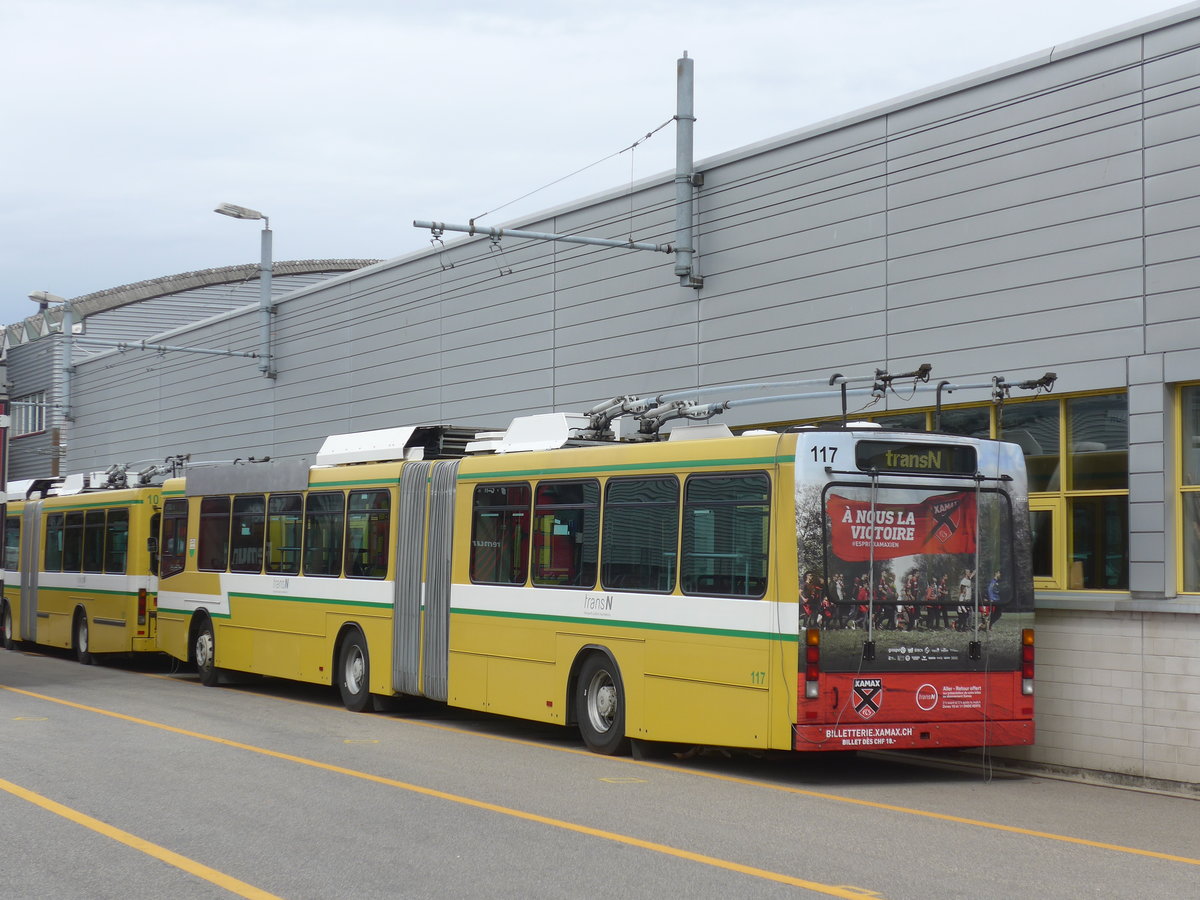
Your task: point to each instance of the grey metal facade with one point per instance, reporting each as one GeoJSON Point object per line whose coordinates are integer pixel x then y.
{"type": "Point", "coordinates": [1037, 216]}
{"type": "Point", "coordinates": [34, 352]}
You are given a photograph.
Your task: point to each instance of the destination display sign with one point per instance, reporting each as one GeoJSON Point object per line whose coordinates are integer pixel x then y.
{"type": "Point", "coordinates": [895, 456]}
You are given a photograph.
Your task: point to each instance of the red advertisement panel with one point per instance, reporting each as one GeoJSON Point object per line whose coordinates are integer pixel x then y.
{"type": "Point", "coordinates": [941, 524]}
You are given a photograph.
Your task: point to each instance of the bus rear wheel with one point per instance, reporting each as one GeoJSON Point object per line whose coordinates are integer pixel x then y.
{"type": "Point", "coordinates": [81, 639]}
{"type": "Point", "coordinates": [6, 627]}
{"type": "Point", "coordinates": [354, 672]}
{"type": "Point", "coordinates": [600, 706]}
{"type": "Point", "coordinates": [205, 649]}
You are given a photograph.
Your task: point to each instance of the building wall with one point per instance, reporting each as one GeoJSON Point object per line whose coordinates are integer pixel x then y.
{"type": "Point", "coordinates": [1038, 216]}
{"type": "Point", "coordinates": [36, 369]}
{"type": "Point", "coordinates": [1118, 692]}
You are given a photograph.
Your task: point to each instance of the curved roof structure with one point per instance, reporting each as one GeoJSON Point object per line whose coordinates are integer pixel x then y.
{"type": "Point", "coordinates": [131, 311]}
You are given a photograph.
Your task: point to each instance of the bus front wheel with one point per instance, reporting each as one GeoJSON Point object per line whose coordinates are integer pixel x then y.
{"type": "Point", "coordinates": [205, 650]}
{"type": "Point", "coordinates": [600, 706]}
{"type": "Point", "coordinates": [354, 672]}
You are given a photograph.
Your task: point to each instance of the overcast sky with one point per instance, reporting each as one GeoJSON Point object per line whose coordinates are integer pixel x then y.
{"type": "Point", "coordinates": [124, 122]}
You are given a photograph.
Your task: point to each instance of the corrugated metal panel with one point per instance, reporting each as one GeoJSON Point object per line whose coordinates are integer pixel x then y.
{"type": "Point", "coordinates": [410, 557]}
{"type": "Point", "coordinates": [436, 637]}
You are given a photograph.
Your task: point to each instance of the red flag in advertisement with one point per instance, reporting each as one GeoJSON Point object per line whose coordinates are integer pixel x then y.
{"type": "Point", "coordinates": [941, 524]}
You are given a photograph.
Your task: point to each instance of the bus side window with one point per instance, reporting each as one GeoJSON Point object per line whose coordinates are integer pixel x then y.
{"type": "Point", "coordinates": [285, 525]}
{"type": "Point", "coordinates": [249, 526]}
{"type": "Point", "coordinates": [324, 530]}
{"type": "Point", "coordinates": [566, 534]}
{"type": "Point", "coordinates": [72, 547]}
{"type": "Point", "coordinates": [367, 534]}
{"type": "Point", "coordinates": [726, 531]}
{"type": "Point", "coordinates": [116, 541]}
{"type": "Point", "coordinates": [500, 534]}
{"type": "Point", "coordinates": [12, 543]}
{"type": "Point", "coordinates": [174, 537]}
{"type": "Point", "coordinates": [641, 534]}
{"type": "Point", "coordinates": [54, 543]}
{"type": "Point", "coordinates": [93, 541]}
{"type": "Point", "coordinates": [213, 541]}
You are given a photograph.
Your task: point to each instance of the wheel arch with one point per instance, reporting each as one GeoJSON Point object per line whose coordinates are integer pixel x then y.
{"type": "Point", "coordinates": [346, 629]}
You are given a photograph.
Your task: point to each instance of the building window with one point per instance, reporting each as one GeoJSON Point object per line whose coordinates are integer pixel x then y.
{"type": "Point", "coordinates": [1077, 458]}
{"type": "Point", "coordinates": [29, 414]}
{"type": "Point", "coordinates": [1189, 491]}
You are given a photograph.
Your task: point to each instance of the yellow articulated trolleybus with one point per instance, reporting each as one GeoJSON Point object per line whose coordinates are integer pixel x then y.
{"type": "Point", "coordinates": [819, 589]}
{"type": "Point", "coordinates": [79, 562]}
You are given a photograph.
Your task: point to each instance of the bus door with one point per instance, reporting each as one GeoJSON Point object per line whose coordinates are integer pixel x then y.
{"type": "Point", "coordinates": [31, 543]}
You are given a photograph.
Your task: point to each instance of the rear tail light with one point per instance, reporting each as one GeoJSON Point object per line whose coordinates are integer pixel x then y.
{"type": "Point", "coordinates": [812, 663]}
{"type": "Point", "coordinates": [141, 606]}
{"type": "Point", "coordinates": [1027, 661]}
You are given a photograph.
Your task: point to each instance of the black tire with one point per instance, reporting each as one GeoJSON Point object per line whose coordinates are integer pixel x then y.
{"type": "Point", "coordinates": [354, 672]}
{"type": "Point", "coordinates": [204, 649]}
{"type": "Point", "coordinates": [6, 628]}
{"type": "Point", "coordinates": [600, 706]}
{"type": "Point", "coordinates": [81, 639]}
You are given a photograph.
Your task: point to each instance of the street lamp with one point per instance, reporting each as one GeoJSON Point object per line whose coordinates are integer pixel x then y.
{"type": "Point", "coordinates": [266, 307]}
{"type": "Point", "coordinates": [44, 298]}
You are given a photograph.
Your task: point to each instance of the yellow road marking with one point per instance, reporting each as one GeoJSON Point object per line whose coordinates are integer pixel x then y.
{"type": "Point", "coordinates": [944, 817]}
{"type": "Point", "coordinates": [171, 858]}
{"type": "Point", "coordinates": [830, 890]}
{"type": "Point", "coordinates": [818, 795]}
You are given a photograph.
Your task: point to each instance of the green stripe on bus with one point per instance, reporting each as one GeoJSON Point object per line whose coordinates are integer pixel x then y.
{"type": "Point", "coordinates": [618, 623]}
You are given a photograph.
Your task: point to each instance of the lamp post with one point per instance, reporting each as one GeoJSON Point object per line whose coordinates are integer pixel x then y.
{"type": "Point", "coordinates": [266, 307]}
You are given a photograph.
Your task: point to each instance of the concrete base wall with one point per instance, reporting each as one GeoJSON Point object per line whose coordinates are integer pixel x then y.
{"type": "Point", "coordinates": [1118, 692]}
